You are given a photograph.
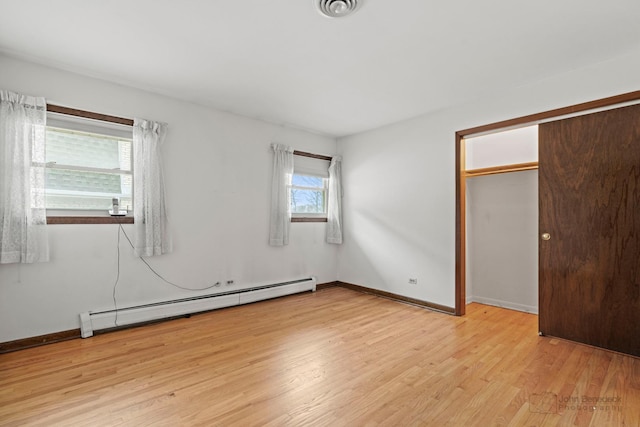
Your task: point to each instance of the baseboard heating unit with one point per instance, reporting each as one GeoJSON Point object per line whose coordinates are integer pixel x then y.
{"type": "Point", "coordinates": [98, 320]}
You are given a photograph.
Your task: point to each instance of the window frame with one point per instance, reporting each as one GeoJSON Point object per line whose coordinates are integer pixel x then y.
{"type": "Point", "coordinates": [311, 216]}
{"type": "Point", "coordinates": [307, 217]}
{"type": "Point", "coordinates": [61, 216]}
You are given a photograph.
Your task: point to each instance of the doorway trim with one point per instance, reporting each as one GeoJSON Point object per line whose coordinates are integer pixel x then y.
{"type": "Point", "coordinates": [532, 119]}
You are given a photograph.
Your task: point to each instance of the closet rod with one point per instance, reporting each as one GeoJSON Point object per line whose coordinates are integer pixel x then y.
{"type": "Point", "coordinates": [471, 173]}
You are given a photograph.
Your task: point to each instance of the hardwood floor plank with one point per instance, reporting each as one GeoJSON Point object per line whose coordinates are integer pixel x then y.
{"type": "Point", "coordinates": [331, 358]}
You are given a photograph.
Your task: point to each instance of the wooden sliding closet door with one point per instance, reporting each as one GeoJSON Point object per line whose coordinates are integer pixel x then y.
{"type": "Point", "coordinates": [589, 251]}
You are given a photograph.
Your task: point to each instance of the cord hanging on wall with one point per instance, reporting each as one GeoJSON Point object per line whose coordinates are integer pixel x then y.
{"type": "Point", "coordinates": [115, 285]}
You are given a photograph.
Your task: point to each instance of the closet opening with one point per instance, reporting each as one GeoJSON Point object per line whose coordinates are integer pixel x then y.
{"type": "Point", "coordinates": [461, 171]}
{"type": "Point", "coordinates": [501, 199]}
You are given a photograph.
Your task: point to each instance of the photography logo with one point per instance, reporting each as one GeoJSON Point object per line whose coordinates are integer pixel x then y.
{"type": "Point", "coordinates": [551, 403]}
{"type": "Point", "coordinates": [543, 403]}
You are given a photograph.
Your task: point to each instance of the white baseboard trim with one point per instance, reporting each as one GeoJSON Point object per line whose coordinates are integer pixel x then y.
{"type": "Point", "coordinates": [504, 304]}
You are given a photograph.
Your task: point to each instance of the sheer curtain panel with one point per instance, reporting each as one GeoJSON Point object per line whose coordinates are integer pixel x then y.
{"type": "Point", "coordinates": [149, 211]}
{"type": "Point", "coordinates": [23, 218]}
{"type": "Point", "coordinates": [334, 208]}
{"type": "Point", "coordinates": [280, 193]}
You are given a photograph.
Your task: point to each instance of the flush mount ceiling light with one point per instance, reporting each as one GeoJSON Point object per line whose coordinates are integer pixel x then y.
{"type": "Point", "coordinates": [336, 8]}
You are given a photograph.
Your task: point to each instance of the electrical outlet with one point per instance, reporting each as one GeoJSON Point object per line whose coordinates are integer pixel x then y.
{"type": "Point", "coordinates": [229, 282]}
{"type": "Point", "coordinates": [413, 281]}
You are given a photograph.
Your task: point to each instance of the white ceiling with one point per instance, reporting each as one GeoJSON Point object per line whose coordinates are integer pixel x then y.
{"type": "Point", "coordinates": [280, 61]}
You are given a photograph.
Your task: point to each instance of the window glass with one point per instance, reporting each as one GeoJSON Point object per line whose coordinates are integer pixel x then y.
{"type": "Point", "coordinates": [308, 195]}
{"type": "Point", "coordinates": [86, 170]}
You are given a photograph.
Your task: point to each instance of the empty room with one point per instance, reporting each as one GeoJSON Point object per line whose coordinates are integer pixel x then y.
{"type": "Point", "coordinates": [319, 213]}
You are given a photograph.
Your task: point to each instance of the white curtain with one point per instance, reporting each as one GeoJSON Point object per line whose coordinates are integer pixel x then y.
{"type": "Point", "coordinates": [334, 208]}
{"type": "Point", "coordinates": [280, 194]}
{"type": "Point", "coordinates": [149, 212]}
{"type": "Point", "coordinates": [23, 217]}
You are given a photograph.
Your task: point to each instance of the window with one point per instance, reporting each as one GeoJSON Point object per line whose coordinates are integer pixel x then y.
{"type": "Point", "coordinates": [309, 189]}
{"type": "Point", "coordinates": [89, 163]}
{"type": "Point", "coordinates": [308, 196]}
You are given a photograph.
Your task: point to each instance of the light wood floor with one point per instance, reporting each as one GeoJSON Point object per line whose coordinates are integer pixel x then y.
{"type": "Point", "coordinates": [331, 358]}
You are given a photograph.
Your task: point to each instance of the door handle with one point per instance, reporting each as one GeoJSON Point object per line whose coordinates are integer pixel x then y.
{"type": "Point", "coordinates": [546, 236]}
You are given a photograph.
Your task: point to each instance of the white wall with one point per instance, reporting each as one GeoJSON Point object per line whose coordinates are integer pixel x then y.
{"type": "Point", "coordinates": [399, 185]}
{"type": "Point", "coordinates": [399, 181]}
{"type": "Point", "coordinates": [508, 147]}
{"type": "Point", "coordinates": [218, 173]}
{"type": "Point", "coordinates": [502, 240]}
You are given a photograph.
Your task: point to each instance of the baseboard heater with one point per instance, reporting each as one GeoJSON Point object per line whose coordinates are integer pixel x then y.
{"type": "Point", "coordinates": [98, 320]}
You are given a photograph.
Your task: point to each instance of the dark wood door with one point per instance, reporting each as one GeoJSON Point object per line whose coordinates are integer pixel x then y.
{"type": "Point", "coordinates": [589, 184]}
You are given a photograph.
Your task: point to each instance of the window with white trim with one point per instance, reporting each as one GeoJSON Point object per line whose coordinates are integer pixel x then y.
{"type": "Point", "coordinates": [309, 186]}
{"type": "Point", "coordinates": [89, 163]}
{"type": "Point", "coordinates": [309, 196]}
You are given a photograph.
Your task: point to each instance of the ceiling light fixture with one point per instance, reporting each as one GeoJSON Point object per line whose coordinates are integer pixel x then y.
{"type": "Point", "coordinates": [336, 8]}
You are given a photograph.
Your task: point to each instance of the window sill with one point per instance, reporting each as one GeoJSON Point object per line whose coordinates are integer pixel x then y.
{"type": "Point", "coordinates": [89, 220]}
{"type": "Point", "coordinates": [308, 219]}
